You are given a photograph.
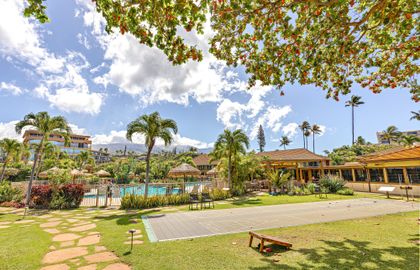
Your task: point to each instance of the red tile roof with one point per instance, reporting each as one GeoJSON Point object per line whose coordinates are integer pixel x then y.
{"type": "Point", "coordinates": [203, 159]}
{"type": "Point", "coordinates": [299, 154]}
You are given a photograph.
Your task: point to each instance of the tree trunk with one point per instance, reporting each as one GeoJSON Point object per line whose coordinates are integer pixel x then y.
{"type": "Point", "coordinates": [146, 182]}
{"type": "Point", "coordinates": [284, 146]}
{"type": "Point", "coordinates": [3, 171]}
{"type": "Point", "coordinates": [230, 172]}
{"type": "Point", "coordinates": [39, 167]}
{"type": "Point", "coordinates": [352, 125]}
{"type": "Point", "coordinates": [303, 134]}
{"type": "Point", "coordinates": [28, 193]}
{"type": "Point", "coordinates": [313, 142]}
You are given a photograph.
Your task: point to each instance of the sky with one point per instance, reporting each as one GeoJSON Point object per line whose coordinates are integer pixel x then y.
{"type": "Point", "coordinates": [100, 82]}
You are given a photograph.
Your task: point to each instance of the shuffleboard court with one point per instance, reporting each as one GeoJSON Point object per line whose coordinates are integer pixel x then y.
{"type": "Point", "coordinates": [192, 224]}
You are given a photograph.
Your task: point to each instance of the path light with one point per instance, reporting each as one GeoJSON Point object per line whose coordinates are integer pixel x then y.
{"type": "Point", "coordinates": [132, 231]}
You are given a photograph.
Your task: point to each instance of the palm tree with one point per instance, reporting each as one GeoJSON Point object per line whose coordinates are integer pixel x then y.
{"type": "Point", "coordinates": [354, 101]}
{"type": "Point", "coordinates": [307, 133]}
{"type": "Point", "coordinates": [83, 158]}
{"type": "Point", "coordinates": [46, 125]}
{"type": "Point", "coordinates": [408, 140]}
{"type": "Point", "coordinates": [186, 159]}
{"type": "Point", "coordinates": [315, 129]}
{"type": "Point", "coordinates": [25, 152]}
{"type": "Point", "coordinates": [228, 145]}
{"type": "Point", "coordinates": [304, 127]}
{"type": "Point", "coordinates": [50, 151]}
{"type": "Point", "coordinates": [152, 126]}
{"type": "Point", "coordinates": [415, 115]}
{"type": "Point", "coordinates": [391, 134]}
{"type": "Point", "coordinates": [9, 148]}
{"type": "Point", "coordinates": [285, 141]}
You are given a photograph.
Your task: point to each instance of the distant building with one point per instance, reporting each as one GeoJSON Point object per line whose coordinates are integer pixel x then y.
{"type": "Point", "coordinates": [101, 156]}
{"type": "Point", "coordinates": [382, 140]}
{"type": "Point", "coordinates": [78, 143]}
{"type": "Point", "coordinates": [203, 163]}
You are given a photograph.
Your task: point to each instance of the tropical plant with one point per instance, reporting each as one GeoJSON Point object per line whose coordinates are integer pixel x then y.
{"type": "Point", "coordinates": [83, 158]}
{"type": "Point", "coordinates": [304, 127]}
{"type": "Point", "coordinates": [330, 44]}
{"type": "Point", "coordinates": [408, 140]}
{"type": "Point", "coordinates": [9, 148]}
{"type": "Point", "coordinates": [186, 159]}
{"type": "Point", "coordinates": [285, 141]}
{"type": "Point", "coordinates": [50, 152]}
{"type": "Point", "coordinates": [278, 178]}
{"type": "Point", "coordinates": [347, 153]}
{"type": "Point", "coordinates": [9, 193]}
{"type": "Point", "coordinates": [345, 191]}
{"type": "Point", "coordinates": [228, 145]}
{"type": "Point", "coordinates": [354, 101]}
{"type": "Point", "coordinates": [360, 140]}
{"type": "Point", "coordinates": [46, 125]}
{"type": "Point", "coordinates": [152, 127]}
{"type": "Point", "coordinates": [315, 129]}
{"type": "Point", "coordinates": [391, 134]}
{"type": "Point", "coordinates": [332, 183]}
{"type": "Point", "coordinates": [415, 115]}
{"type": "Point", "coordinates": [261, 138]}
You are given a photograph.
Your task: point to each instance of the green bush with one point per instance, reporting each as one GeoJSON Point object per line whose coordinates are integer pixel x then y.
{"type": "Point", "coordinates": [311, 187]}
{"type": "Point", "coordinates": [332, 183]}
{"type": "Point", "coordinates": [9, 193]}
{"type": "Point", "coordinates": [219, 194]}
{"type": "Point", "coordinates": [345, 191]}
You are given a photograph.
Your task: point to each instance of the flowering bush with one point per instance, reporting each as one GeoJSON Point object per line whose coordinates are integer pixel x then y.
{"type": "Point", "coordinates": [57, 197]}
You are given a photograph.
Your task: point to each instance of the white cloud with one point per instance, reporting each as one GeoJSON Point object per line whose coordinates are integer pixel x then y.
{"type": "Point", "coordinates": [230, 114]}
{"type": "Point", "coordinates": [271, 118]}
{"type": "Point", "coordinates": [82, 39]}
{"type": "Point", "coordinates": [323, 129]}
{"type": "Point", "coordinates": [290, 129]}
{"type": "Point", "coordinates": [11, 88]}
{"type": "Point", "coordinates": [7, 130]}
{"type": "Point", "coordinates": [115, 136]}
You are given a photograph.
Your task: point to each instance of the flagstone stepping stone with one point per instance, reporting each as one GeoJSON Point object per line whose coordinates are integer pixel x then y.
{"type": "Point", "coordinates": [50, 224]}
{"type": "Point", "coordinates": [24, 221]}
{"type": "Point", "coordinates": [56, 267]}
{"type": "Point", "coordinates": [67, 244]}
{"type": "Point", "coordinates": [89, 240]}
{"type": "Point", "coordinates": [101, 257]}
{"type": "Point", "coordinates": [135, 242]}
{"type": "Point", "coordinates": [117, 266]}
{"type": "Point", "coordinates": [72, 220]}
{"type": "Point", "coordinates": [92, 233]}
{"type": "Point", "coordinates": [4, 226]}
{"type": "Point", "coordinates": [99, 248]}
{"type": "Point", "coordinates": [53, 248]}
{"type": "Point", "coordinates": [75, 260]}
{"type": "Point", "coordinates": [53, 219]}
{"type": "Point", "coordinates": [52, 231]}
{"type": "Point", "coordinates": [64, 254]}
{"type": "Point", "coordinates": [45, 216]}
{"type": "Point", "coordinates": [82, 228]}
{"type": "Point", "coordinates": [136, 236]}
{"type": "Point", "coordinates": [82, 223]}
{"type": "Point", "coordinates": [5, 222]}
{"type": "Point", "coordinates": [65, 237]}
{"type": "Point", "coordinates": [88, 267]}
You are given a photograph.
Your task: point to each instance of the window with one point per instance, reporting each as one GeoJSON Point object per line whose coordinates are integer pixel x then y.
{"type": "Point", "coordinates": [395, 175]}
{"type": "Point", "coordinates": [414, 175]}
{"type": "Point", "coordinates": [376, 175]}
{"type": "Point", "coordinates": [347, 175]}
{"type": "Point", "coordinates": [360, 175]}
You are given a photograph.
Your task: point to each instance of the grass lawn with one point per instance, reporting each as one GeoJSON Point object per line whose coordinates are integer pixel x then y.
{"type": "Point", "coordinates": [22, 246]}
{"type": "Point", "coordinates": [385, 242]}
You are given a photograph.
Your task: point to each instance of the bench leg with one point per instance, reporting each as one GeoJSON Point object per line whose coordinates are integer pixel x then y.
{"type": "Point", "coordinates": [262, 246]}
{"type": "Point", "coordinates": [250, 240]}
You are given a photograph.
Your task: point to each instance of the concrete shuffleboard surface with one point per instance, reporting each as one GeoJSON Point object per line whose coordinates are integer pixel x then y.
{"type": "Point", "coordinates": [192, 224]}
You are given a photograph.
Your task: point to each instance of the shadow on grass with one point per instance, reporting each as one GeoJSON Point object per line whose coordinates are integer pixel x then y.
{"type": "Point", "coordinates": [124, 218]}
{"type": "Point", "coordinates": [350, 254]}
{"type": "Point", "coordinates": [247, 201]}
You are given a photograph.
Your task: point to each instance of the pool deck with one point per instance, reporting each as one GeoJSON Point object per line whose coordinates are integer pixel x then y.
{"type": "Point", "coordinates": [193, 224]}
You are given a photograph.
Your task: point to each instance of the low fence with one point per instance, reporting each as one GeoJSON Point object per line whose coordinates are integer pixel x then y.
{"type": "Point", "coordinates": [110, 195]}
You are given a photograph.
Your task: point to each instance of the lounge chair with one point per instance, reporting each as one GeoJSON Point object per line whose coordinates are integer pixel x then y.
{"type": "Point", "coordinates": [266, 238]}
{"type": "Point", "coordinates": [194, 200]}
{"type": "Point", "coordinates": [206, 199]}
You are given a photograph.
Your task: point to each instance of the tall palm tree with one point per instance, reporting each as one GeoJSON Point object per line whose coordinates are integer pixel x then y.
{"type": "Point", "coordinates": [415, 115]}
{"type": "Point", "coordinates": [285, 141]}
{"type": "Point", "coordinates": [304, 127]}
{"type": "Point", "coordinates": [391, 134]}
{"type": "Point", "coordinates": [307, 133]}
{"type": "Point", "coordinates": [354, 101]}
{"type": "Point", "coordinates": [46, 125]}
{"type": "Point", "coordinates": [9, 148]}
{"type": "Point", "coordinates": [50, 151]}
{"type": "Point", "coordinates": [228, 145]}
{"type": "Point", "coordinates": [152, 126]}
{"type": "Point", "coordinates": [25, 152]}
{"type": "Point", "coordinates": [315, 129]}
{"type": "Point", "coordinates": [408, 140]}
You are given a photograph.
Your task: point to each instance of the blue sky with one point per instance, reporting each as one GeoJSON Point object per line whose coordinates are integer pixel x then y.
{"type": "Point", "coordinates": [101, 82]}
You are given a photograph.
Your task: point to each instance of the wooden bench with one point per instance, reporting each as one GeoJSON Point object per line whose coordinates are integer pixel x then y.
{"type": "Point", "coordinates": [266, 238]}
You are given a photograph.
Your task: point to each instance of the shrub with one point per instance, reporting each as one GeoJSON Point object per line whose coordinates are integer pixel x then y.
{"type": "Point", "coordinates": [57, 197]}
{"type": "Point", "coordinates": [219, 194]}
{"type": "Point", "coordinates": [311, 187]}
{"type": "Point", "coordinates": [345, 191]}
{"type": "Point", "coordinates": [332, 183]}
{"type": "Point", "coordinates": [12, 204]}
{"type": "Point", "coordinates": [9, 193]}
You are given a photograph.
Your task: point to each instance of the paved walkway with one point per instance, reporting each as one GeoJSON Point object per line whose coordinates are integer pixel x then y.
{"type": "Point", "coordinates": [213, 222]}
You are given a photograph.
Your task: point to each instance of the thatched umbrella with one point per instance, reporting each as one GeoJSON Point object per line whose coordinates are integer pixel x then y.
{"type": "Point", "coordinates": [184, 170]}
{"type": "Point", "coordinates": [102, 173]}
{"type": "Point", "coordinates": [76, 172]}
{"type": "Point", "coordinates": [212, 172]}
{"type": "Point", "coordinates": [45, 174]}
{"type": "Point", "coordinates": [11, 171]}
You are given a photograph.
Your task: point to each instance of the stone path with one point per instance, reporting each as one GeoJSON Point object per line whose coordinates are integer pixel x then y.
{"type": "Point", "coordinates": [75, 243]}
{"type": "Point", "coordinates": [193, 224]}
